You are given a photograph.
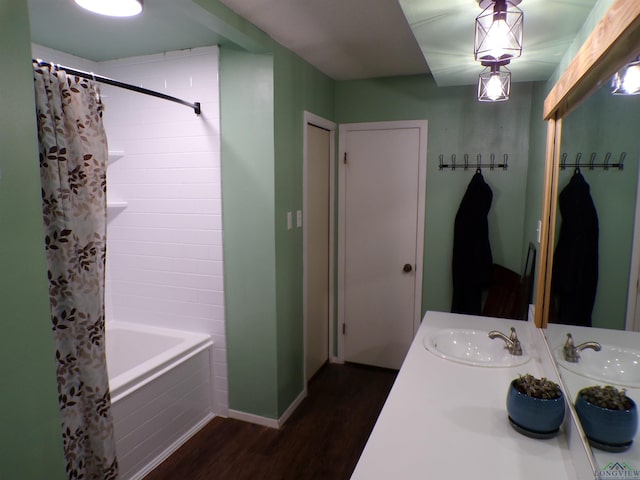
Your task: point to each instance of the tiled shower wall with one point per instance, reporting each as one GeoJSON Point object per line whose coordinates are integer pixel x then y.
{"type": "Point", "coordinates": [164, 257]}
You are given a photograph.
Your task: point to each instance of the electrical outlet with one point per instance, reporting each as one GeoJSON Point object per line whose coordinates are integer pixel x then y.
{"type": "Point", "coordinates": [539, 230]}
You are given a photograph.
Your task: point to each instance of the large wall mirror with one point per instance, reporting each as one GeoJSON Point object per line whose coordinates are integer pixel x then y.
{"type": "Point", "coordinates": [590, 250]}
{"type": "Point", "coordinates": [592, 274]}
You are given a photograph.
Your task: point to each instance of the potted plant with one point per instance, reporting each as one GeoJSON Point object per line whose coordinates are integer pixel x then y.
{"type": "Point", "coordinates": [535, 406]}
{"type": "Point", "coordinates": [608, 416]}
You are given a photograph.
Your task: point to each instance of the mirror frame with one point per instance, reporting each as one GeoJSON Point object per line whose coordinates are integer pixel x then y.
{"type": "Point", "coordinates": [614, 42]}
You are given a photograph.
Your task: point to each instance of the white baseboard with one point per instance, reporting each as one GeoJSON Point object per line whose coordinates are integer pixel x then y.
{"type": "Point", "coordinates": [266, 421]}
{"type": "Point", "coordinates": [144, 471]}
{"type": "Point", "coordinates": [251, 418]}
{"type": "Point", "coordinates": [287, 413]}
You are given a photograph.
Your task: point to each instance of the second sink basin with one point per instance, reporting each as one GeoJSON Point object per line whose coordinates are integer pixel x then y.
{"type": "Point", "coordinates": [611, 365]}
{"type": "Point", "coordinates": [471, 347]}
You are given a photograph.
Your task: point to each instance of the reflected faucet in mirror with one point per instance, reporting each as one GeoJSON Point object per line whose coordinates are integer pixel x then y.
{"type": "Point", "coordinates": [571, 352]}
{"type": "Point", "coordinates": [512, 342]}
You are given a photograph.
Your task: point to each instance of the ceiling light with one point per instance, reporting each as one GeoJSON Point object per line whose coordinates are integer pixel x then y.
{"type": "Point", "coordinates": [113, 8]}
{"type": "Point", "coordinates": [627, 80]}
{"type": "Point", "coordinates": [494, 85]}
{"type": "Point", "coordinates": [498, 34]}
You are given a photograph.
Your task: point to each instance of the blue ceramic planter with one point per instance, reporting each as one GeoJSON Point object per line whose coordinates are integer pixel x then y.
{"type": "Point", "coordinates": [534, 416]}
{"type": "Point", "coordinates": [606, 427]}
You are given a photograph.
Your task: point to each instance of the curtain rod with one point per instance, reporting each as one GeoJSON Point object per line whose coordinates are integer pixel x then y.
{"type": "Point", "coordinates": [109, 81]}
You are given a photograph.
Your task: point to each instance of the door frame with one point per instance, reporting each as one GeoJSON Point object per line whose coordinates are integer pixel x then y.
{"type": "Point", "coordinates": [344, 129]}
{"type": "Point", "coordinates": [310, 118]}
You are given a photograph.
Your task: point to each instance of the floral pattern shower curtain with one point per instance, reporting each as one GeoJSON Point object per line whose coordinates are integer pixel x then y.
{"type": "Point", "coordinates": [73, 158]}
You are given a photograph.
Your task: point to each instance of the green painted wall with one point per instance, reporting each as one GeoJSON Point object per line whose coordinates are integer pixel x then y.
{"type": "Point", "coordinates": [535, 173]}
{"type": "Point", "coordinates": [238, 31]}
{"type": "Point", "coordinates": [31, 441]}
{"type": "Point", "coordinates": [263, 98]}
{"type": "Point", "coordinates": [298, 87]}
{"type": "Point", "coordinates": [608, 123]}
{"type": "Point", "coordinates": [458, 124]}
{"type": "Point", "coordinates": [248, 192]}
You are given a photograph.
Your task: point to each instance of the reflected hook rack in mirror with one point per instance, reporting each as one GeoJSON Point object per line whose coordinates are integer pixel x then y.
{"type": "Point", "coordinates": [592, 164]}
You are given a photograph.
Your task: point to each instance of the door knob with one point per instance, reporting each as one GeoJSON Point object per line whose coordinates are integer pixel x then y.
{"type": "Point", "coordinates": [407, 268]}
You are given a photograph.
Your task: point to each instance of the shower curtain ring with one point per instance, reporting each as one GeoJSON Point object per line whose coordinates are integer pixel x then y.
{"type": "Point", "coordinates": [95, 88]}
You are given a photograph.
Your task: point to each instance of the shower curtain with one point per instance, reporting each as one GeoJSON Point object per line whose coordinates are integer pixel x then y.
{"type": "Point", "coordinates": [73, 157]}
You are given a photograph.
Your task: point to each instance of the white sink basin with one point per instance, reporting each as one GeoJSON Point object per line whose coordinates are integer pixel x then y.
{"type": "Point", "coordinates": [611, 365]}
{"type": "Point", "coordinates": [471, 347]}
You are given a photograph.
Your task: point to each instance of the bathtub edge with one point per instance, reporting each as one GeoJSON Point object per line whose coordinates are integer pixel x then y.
{"type": "Point", "coordinates": [133, 385]}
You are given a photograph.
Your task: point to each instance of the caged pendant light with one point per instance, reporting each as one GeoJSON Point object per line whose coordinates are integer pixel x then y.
{"type": "Point", "coordinates": [498, 31]}
{"type": "Point", "coordinates": [112, 8]}
{"type": "Point", "coordinates": [494, 84]}
{"type": "Point", "coordinates": [627, 80]}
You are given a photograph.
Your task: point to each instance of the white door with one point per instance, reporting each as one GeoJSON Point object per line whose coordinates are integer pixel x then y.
{"type": "Point", "coordinates": [382, 228]}
{"type": "Point", "coordinates": [316, 200]}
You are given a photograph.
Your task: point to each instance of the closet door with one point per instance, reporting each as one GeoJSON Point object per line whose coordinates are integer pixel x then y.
{"type": "Point", "coordinates": [382, 209]}
{"type": "Point", "coordinates": [317, 249]}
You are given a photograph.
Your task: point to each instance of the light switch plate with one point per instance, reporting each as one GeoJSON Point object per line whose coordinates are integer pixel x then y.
{"type": "Point", "coordinates": [289, 221]}
{"type": "Point", "coordinates": [299, 218]}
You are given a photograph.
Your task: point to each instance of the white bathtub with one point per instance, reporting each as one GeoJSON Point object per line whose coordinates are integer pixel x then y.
{"type": "Point", "coordinates": [161, 392]}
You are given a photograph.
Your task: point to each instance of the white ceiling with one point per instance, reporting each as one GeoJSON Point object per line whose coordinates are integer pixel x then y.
{"type": "Point", "coordinates": [444, 30]}
{"type": "Point", "coordinates": [164, 25]}
{"type": "Point", "coordinates": [345, 39]}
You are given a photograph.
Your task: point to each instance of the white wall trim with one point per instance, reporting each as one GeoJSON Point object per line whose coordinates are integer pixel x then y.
{"type": "Point", "coordinates": [266, 421]}
{"type": "Point", "coordinates": [318, 121]}
{"type": "Point", "coordinates": [310, 118]}
{"type": "Point", "coordinates": [422, 192]}
{"type": "Point", "coordinates": [251, 418]}
{"type": "Point", "coordinates": [292, 408]}
{"type": "Point", "coordinates": [422, 126]}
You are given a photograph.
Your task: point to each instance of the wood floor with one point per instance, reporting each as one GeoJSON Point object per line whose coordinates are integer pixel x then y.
{"type": "Point", "coordinates": [322, 440]}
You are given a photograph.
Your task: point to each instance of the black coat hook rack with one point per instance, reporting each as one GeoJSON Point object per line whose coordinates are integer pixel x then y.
{"type": "Point", "coordinates": [592, 164]}
{"type": "Point", "coordinates": [478, 165]}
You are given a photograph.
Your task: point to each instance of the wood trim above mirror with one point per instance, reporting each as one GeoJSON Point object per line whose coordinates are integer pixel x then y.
{"type": "Point", "coordinates": [611, 44]}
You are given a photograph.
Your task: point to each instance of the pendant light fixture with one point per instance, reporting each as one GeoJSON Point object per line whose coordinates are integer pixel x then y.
{"type": "Point", "coordinates": [494, 84]}
{"type": "Point", "coordinates": [112, 8]}
{"type": "Point", "coordinates": [498, 31]}
{"type": "Point", "coordinates": [627, 80]}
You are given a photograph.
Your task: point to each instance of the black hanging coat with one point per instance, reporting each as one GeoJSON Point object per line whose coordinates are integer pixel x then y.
{"type": "Point", "coordinates": [472, 262]}
{"type": "Point", "coordinates": [575, 261]}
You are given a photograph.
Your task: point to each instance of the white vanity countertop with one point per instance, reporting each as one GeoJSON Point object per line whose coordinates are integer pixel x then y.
{"type": "Point", "coordinates": [444, 420]}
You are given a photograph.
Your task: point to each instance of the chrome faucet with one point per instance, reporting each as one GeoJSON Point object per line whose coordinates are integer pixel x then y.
{"type": "Point", "coordinates": [512, 342]}
{"type": "Point", "coordinates": [572, 352]}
